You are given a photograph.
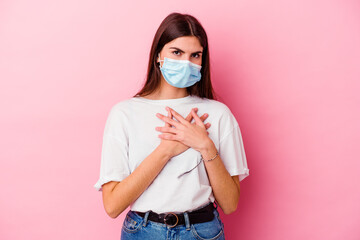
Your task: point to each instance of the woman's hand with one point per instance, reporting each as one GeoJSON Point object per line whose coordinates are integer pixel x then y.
{"type": "Point", "coordinates": [191, 135]}
{"type": "Point", "coordinates": [176, 147]}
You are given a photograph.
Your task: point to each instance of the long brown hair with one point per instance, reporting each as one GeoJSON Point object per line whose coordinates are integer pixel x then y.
{"type": "Point", "coordinates": [173, 26]}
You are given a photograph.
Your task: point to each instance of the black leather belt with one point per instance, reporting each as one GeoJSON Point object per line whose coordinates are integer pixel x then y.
{"type": "Point", "coordinates": [171, 219]}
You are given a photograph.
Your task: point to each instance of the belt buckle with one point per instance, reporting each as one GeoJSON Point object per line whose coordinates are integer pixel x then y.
{"type": "Point", "coordinates": [177, 219]}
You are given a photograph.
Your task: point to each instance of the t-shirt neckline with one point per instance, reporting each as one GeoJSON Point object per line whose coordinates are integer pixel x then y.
{"type": "Point", "coordinates": [164, 101]}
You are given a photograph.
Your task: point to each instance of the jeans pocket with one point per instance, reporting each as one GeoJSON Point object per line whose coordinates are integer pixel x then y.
{"type": "Point", "coordinates": [130, 225]}
{"type": "Point", "coordinates": [208, 230]}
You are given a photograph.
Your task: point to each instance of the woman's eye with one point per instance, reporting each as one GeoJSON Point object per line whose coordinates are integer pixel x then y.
{"type": "Point", "coordinates": [196, 55]}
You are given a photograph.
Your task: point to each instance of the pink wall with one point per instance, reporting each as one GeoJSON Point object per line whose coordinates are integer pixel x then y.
{"type": "Point", "coordinates": [289, 70]}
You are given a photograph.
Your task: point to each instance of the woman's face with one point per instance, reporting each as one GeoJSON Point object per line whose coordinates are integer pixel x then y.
{"type": "Point", "coordinates": [183, 48]}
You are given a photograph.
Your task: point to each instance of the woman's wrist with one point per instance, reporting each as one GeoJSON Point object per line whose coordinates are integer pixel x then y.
{"type": "Point", "coordinates": [209, 150]}
{"type": "Point", "coordinates": [165, 153]}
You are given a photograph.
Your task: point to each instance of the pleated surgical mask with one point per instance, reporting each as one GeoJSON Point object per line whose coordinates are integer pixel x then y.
{"type": "Point", "coordinates": [180, 73]}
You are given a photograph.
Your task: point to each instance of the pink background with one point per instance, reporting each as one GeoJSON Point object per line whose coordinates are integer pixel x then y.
{"type": "Point", "coordinates": [289, 71]}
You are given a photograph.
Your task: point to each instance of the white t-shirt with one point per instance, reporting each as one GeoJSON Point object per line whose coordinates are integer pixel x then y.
{"type": "Point", "coordinates": [130, 136]}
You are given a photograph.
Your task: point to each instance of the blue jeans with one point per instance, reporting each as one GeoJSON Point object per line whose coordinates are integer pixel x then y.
{"type": "Point", "coordinates": [137, 227]}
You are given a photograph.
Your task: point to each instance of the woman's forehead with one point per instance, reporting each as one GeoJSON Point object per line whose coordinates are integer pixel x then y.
{"type": "Point", "coordinates": [187, 44]}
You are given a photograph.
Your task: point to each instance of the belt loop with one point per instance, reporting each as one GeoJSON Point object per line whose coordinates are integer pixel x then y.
{"type": "Point", "coordinates": [216, 204]}
{"type": "Point", "coordinates": [187, 221]}
{"type": "Point", "coordinates": [146, 218]}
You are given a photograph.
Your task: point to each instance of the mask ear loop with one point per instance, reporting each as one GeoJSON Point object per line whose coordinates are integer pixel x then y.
{"type": "Point", "coordinates": [160, 60]}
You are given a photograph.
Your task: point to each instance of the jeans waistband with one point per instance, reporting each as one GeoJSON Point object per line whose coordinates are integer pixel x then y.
{"type": "Point", "coordinates": [172, 219]}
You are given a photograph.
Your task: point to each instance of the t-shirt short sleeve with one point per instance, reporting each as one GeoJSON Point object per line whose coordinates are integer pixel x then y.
{"type": "Point", "coordinates": [114, 155]}
{"type": "Point", "coordinates": [231, 146]}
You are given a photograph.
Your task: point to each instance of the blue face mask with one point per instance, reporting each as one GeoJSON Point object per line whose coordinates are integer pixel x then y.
{"type": "Point", "coordinates": [180, 73]}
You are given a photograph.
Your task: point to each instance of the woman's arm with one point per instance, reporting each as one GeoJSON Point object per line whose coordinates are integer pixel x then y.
{"type": "Point", "coordinates": [117, 196]}
{"type": "Point", "coordinates": [226, 188]}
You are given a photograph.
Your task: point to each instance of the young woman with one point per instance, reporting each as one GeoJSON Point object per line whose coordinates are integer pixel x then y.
{"type": "Point", "coordinates": [160, 157]}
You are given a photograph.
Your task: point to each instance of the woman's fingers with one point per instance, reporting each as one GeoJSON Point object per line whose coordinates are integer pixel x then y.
{"type": "Point", "coordinates": [167, 129]}
{"type": "Point", "coordinates": [168, 120]}
{"type": "Point", "coordinates": [189, 116]}
{"type": "Point", "coordinates": [203, 117]}
{"type": "Point", "coordinates": [168, 136]}
{"type": "Point", "coordinates": [167, 124]}
{"type": "Point", "coordinates": [178, 116]}
{"type": "Point", "coordinates": [169, 116]}
{"type": "Point", "coordinates": [197, 119]}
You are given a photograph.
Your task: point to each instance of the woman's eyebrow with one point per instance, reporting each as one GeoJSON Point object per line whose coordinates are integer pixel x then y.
{"type": "Point", "coordinates": [183, 51]}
